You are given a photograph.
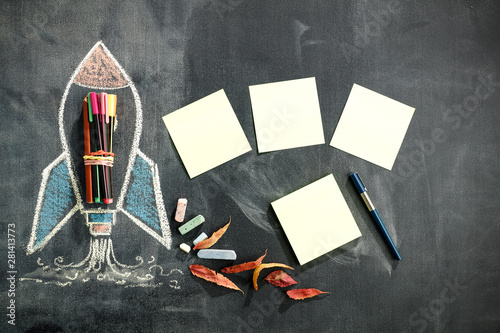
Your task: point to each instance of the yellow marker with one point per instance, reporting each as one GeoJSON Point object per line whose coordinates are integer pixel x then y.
{"type": "Point", "coordinates": [112, 115]}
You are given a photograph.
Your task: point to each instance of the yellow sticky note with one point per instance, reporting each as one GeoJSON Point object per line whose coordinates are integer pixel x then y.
{"type": "Point", "coordinates": [206, 133]}
{"type": "Point", "coordinates": [316, 219]}
{"type": "Point", "coordinates": [286, 114]}
{"type": "Point", "coordinates": [372, 126]}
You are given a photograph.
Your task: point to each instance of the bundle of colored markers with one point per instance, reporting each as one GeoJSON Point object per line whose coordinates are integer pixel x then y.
{"type": "Point", "coordinates": [99, 112]}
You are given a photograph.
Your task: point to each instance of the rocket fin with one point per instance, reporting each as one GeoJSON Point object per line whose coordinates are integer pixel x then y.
{"type": "Point", "coordinates": [143, 202]}
{"type": "Point", "coordinates": [56, 204]}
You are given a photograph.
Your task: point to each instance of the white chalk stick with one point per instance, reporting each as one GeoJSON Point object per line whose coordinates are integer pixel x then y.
{"type": "Point", "coordinates": [200, 238]}
{"type": "Point", "coordinates": [184, 247]}
{"type": "Point", "coordinates": [217, 254]}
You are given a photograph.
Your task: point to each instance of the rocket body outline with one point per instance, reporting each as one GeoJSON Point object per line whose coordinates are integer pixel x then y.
{"type": "Point", "coordinates": [61, 189]}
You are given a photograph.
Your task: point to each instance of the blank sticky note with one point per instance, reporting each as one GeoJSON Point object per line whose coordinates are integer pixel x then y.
{"type": "Point", "coordinates": [372, 126]}
{"type": "Point", "coordinates": [316, 219]}
{"type": "Point", "coordinates": [286, 114]}
{"type": "Point", "coordinates": [206, 133]}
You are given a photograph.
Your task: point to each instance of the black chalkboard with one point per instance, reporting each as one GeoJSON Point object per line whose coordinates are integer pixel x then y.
{"type": "Point", "coordinates": [439, 202]}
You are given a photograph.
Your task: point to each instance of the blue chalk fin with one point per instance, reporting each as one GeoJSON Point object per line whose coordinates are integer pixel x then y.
{"type": "Point", "coordinates": [140, 199]}
{"type": "Point", "coordinates": [57, 204]}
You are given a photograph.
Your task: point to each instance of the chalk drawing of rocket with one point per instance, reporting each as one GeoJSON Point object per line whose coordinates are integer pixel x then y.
{"type": "Point", "coordinates": [60, 195]}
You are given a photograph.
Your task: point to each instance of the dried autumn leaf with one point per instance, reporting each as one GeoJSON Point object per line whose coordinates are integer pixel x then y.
{"type": "Point", "coordinates": [243, 267]}
{"type": "Point", "coordinates": [212, 276]}
{"type": "Point", "coordinates": [205, 244]}
{"type": "Point", "coordinates": [304, 293]}
{"type": "Point", "coordinates": [257, 270]}
{"type": "Point", "coordinates": [280, 279]}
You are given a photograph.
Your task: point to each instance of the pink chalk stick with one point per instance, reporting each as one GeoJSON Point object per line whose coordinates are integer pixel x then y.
{"type": "Point", "coordinates": [181, 210]}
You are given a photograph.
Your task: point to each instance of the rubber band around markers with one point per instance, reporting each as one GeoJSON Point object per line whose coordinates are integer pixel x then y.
{"type": "Point", "coordinates": [93, 159]}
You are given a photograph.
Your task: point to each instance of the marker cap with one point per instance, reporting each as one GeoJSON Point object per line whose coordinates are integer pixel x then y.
{"type": "Point", "coordinates": [89, 105]}
{"type": "Point", "coordinates": [106, 107]}
{"type": "Point", "coordinates": [93, 102]}
{"type": "Point", "coordinates": [112, 105]}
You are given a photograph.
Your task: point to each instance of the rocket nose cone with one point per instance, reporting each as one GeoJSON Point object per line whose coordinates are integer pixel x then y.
{"type": "Point", "coordinates": [100, 71]}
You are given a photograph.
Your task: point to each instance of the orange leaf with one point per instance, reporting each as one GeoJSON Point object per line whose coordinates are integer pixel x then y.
{"type": "Point", "coordinates": [257, 270]}
{"type": "Point", "coordinates": [205, 244]}
{"type": "Point", "coordinates": [304, 293]}
{"type": "Point", "coordinates": [280, 279]}
{"type": "Point", "coordinates": [243, 267]}
{"type": "Point", "coordinates": [212, 276]}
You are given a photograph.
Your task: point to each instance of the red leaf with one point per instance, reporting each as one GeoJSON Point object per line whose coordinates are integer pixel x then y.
{"type": "Point", "coordinates": [210, 275]}
{"type": "Point", "coordinates": [243, 267]}
{"type": "Point", "coordinates": [205, 244]}
{"type": "Point", "coordinates": [304, 293]}
{"type": "Point", "coordinates": [257, 270]}
{"type": "Point", "coordinates": [280, 279]}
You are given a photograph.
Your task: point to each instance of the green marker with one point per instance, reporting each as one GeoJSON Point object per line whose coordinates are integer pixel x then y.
{"type": "Point", "coordinates": [89, 105]}
{"type": "Point", "coordinates": [191, 224]}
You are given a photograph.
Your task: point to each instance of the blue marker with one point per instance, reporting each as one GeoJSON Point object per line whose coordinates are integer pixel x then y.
{"type": "Point", "coordinates": [378, 221]}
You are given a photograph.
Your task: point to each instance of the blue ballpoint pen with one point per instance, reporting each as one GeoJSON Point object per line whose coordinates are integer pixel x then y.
{"type": "Point", "coordinates": [376, 217]}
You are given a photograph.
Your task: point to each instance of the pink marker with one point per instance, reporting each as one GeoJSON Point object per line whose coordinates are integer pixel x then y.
{"type": "Point", "coordinates": [181, 209]}
{"type": "Point", "coordinates": [104, 106]}
{"type": "Point", "coordinates": [93, 102]}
